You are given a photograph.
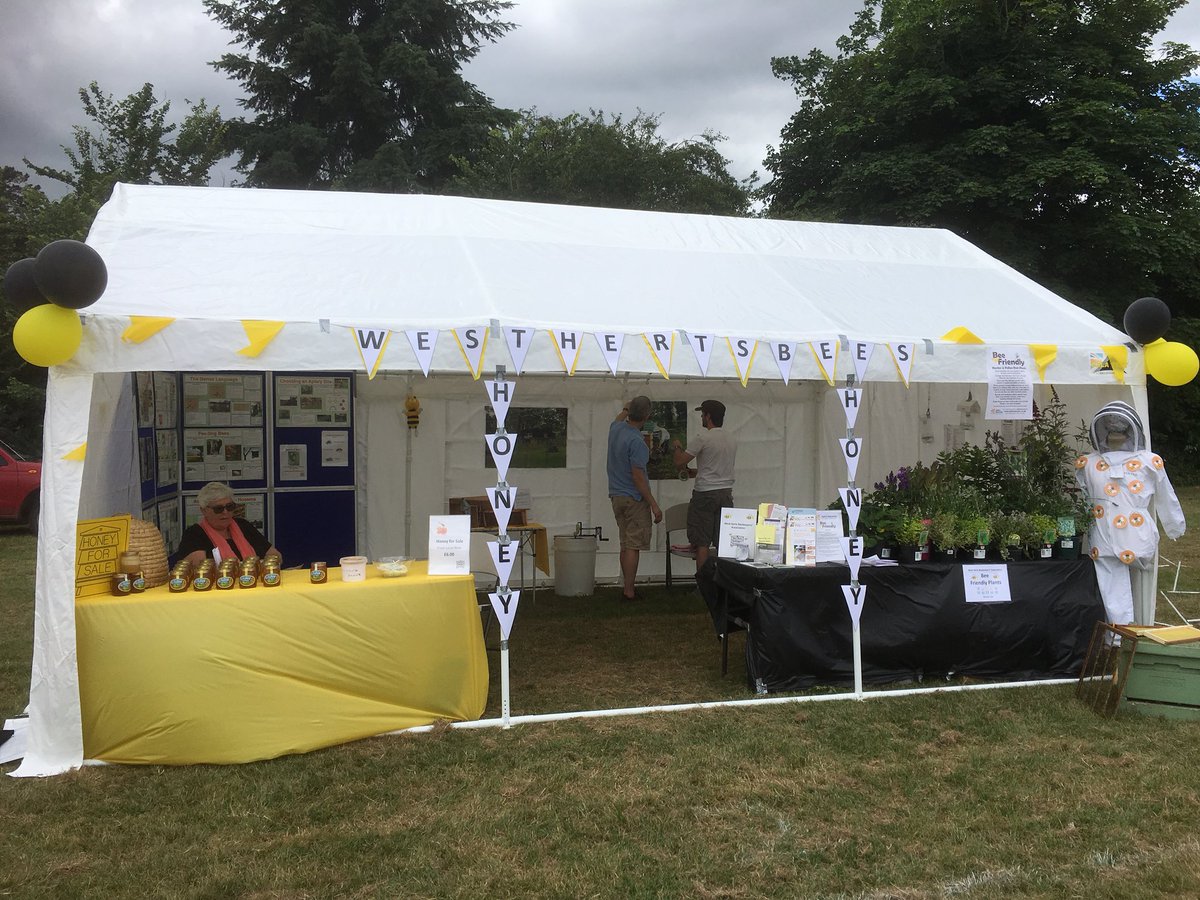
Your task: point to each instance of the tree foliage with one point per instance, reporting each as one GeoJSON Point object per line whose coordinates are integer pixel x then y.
{"type": "Point", "coordinates": [358, 94]}
{"type": "Point", "coordinates": [1048, 132]}
{"type": "Point", "coordinates": [595, 160]}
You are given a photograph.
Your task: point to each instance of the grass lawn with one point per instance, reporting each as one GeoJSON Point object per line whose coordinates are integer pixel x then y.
{"type": "Point", "coordinates": [987, 794]}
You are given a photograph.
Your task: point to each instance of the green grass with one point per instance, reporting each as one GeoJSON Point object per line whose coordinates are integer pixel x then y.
{"type": "Point", "coordinates": [988, 794]}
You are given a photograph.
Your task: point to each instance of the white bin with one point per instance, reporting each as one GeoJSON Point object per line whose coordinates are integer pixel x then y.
{"type": "Point", "coordinates": [574, 565]}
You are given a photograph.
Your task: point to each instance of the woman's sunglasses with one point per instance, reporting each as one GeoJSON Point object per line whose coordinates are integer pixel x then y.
{"type": "Point", "coordinates": [220, 508]}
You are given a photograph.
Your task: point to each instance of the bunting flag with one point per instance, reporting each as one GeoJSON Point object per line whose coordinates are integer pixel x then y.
{"type": "Point", "coordinates": [371, 342]}
{"type": "Point", "coordinates": [472, 341]}
{"type": "Point", "coordinates": [503, 557]}
{"type": "Point", "coordinates": [610, 346]}
{"type": "Point", "coordinates": [502, 500]}
{"type": "Point", "coordinates": [518, 339]}
{"type": "Point", "coordinates": [852, 549]}
{"type": "Point", "coordinates": [504, 604]}
{"type": "Point", "coordinates": [259, 333]}
{"type": "Point", "coordinates": [1043, 355]}
{"type": "Point", "coordinates": [852, 501]}
{"type": "Point", "coordinates": [78, 454]}
{"type": "Point", "coordinates": [567, 345]}
{"type": "Point", "coordinates": [851, 400]}
{"type": "Point", "coordinates": [855, 596]}
{"type": "Point", "coordinates": [662, 345]}
{"type": "Point", "coordinates": [902, 356]}
{"type": "Point", "coordinates": [423, 342]}
{"type": "Point", "coordinates": [1118, 358]}
{"type": "Point", "coordinates": [784, 353]}
{"type": "Point", "coordinates": [702, 346]}
{"type": "Point", "coordinates": [142, 327]}
{"type": "Point", "coordinates": [852, 451]}
{"type": "Point", "coordinates": [502, 446]}
{"type": "Point", "coordinates": [860, 352]}
{"type": "Point", "coordinates": [500, 394]}
{"type": "Point", "coordinates": [826, 353]}
{"type": "Point", "coordinates": [961, 335]}
{"type": "Point", "coordinates": [742, 350]}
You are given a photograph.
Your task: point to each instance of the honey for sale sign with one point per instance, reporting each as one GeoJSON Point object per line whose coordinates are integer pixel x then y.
{"type": "Point", "coordinates": [99, 544]}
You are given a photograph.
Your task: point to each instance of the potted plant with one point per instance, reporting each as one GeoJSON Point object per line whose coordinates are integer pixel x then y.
{"type": "Point", "coordinates": [944, 533]}
{"type": "Point", "coordinates": [1038, 536]}
{"type": "Point", "coordinates": [913, 538]}
{"type": "Point", "coordinates": [974, 537]}
{"type": "Point", "coordinates": [1004, 529]}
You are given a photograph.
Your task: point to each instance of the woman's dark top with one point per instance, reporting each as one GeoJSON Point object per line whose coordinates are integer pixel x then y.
{"type": "Point", "coordinates": [195, 539]}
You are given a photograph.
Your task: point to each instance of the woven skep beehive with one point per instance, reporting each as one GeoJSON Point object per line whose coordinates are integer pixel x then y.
{"type": "Point", "coordinates": [147, 542]}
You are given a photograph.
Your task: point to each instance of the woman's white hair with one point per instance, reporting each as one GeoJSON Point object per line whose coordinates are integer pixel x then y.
{"type": "Point", "coordinates": [214, 490]}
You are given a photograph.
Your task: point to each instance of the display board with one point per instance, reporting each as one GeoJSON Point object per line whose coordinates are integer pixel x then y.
{"type": "Point", "coordinates": [224, 434]}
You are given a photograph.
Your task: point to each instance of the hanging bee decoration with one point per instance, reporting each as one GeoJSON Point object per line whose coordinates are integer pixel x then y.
{"type": "Point", "coordinates": [412, 411]}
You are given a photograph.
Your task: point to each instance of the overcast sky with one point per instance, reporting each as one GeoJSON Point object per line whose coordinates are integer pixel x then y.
{"type": "Point", "coordinates": [700, 64]}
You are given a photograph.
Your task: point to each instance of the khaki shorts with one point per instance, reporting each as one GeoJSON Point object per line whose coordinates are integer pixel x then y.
{"type": "Point", "coordinates": [704, 516]}
{"type": "Point", "coordinates": [634, 522]}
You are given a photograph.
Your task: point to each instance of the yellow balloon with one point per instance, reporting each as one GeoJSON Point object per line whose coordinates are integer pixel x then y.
{"type": "Point", "coordinates": [1171, 362]}
{"type": "Point", "coordinates": [47, 335]}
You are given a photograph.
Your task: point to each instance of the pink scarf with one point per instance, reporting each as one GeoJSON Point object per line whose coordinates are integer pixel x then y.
{"type": "Point", "coordinates": [222, 546]}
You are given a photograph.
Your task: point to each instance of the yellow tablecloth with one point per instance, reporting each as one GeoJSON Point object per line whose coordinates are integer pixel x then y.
{"type": "Point", "coordinates": [235, 676]}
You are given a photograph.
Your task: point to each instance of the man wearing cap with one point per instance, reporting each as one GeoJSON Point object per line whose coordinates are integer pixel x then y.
{"type": "Point", "coordinates": [629, 488]}
{"type": "Point", "coordinates": [714, 450]}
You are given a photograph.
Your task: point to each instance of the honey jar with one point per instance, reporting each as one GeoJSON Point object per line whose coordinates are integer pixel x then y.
{"type": "Point", "coordinates": [121, 585]}
{"type": "Point", "coordinates": [318, 573]}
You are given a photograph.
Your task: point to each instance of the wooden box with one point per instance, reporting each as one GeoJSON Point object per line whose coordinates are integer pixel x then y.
{"type": "Point", "coordinates": [480, 511]}
{"type": "Point", "coordinates": [1164, 680]}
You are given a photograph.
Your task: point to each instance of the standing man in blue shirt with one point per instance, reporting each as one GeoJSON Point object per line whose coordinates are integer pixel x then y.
{"type": "Point", "coordinates": [629, 488]}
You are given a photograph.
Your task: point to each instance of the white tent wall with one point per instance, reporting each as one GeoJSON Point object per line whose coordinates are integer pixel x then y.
{"type": "Point", "coordinates": [111, 480]}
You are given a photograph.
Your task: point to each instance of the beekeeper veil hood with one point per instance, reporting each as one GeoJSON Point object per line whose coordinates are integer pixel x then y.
{"type": "Point", "coordinates": [1116, 426]}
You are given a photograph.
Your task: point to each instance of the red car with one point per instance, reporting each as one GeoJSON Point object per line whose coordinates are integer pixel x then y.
{"type": "Point", "coordinates": [20, 488]}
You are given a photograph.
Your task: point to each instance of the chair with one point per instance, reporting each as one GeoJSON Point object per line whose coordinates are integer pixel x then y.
{"type": "Point", "coordinates": [1174, 592]}
{"type": "Point", "coordinates": [486, 579]}
{"type": "Point", "coordinates": [675, 519]}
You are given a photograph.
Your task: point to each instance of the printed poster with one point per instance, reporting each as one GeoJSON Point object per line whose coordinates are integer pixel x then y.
{"type": "Point", "coordinates": [1010, 385]}
{"type": "Point", "coordinates": [986, 584]}
{"type": "Point", "coordinates": [222, 400]}
{"type": "Point", "coordinates": [223, 454]}
{"type": "Point", "coordinates": [449, 545]}
{"type": "Point", "coordinates": [312, 401]}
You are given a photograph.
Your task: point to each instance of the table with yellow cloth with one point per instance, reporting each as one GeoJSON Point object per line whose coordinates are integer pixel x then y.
{"type": "Point", "coordinates": [247, 674]}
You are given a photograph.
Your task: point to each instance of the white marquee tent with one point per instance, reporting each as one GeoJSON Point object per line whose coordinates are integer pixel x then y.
{"type": "Point", "coordinates": [194, 270]}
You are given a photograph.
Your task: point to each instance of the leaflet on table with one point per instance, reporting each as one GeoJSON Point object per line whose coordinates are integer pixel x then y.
{"type": "Point", "coordinates": [768, 541]}
{"type": "Point", "coordinates": [736, 536]}
{"type": "Point", "coordinates": [449, 545]}
{"type": "Point", "coordinates": [801, 536]}
{"type": "Point", "coordinates": [830, 532]}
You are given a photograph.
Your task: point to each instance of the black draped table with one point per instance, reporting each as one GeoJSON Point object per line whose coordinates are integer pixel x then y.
{"type": "Point", "coordinates": [915, 621]}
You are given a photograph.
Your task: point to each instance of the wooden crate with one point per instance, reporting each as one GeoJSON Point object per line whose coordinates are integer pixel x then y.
{"type": "Point", "coordinates": [480, 511]}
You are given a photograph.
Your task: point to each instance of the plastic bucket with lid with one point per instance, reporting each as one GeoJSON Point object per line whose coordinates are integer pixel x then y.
{"type": "Point", "coordinates": [574, 565]}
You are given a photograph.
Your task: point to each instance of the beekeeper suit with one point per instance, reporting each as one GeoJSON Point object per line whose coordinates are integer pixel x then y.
{"type": "Point", "coordinates": [1122, 478]}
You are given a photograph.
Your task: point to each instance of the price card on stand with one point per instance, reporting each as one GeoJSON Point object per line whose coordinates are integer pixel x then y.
{"type": "Point", "coordinates": [449, 545]}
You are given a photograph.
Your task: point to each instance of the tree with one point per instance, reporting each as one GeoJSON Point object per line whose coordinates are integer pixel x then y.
{"type": "Point", "coordinates": [358, 94]}
{"type": "Point", "coordinates": [596, 161]}
{"type": "Point", "coordinates": [1047, 132]}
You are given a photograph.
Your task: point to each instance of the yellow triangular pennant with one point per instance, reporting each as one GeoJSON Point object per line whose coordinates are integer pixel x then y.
{"type": "Point", "coordinates": [142, 327]}
{"type": "Point", "coordinates": [77, 454]}
{"type": "Point", "coordinates": [961, 335]}
{"type": "Point", "coordinates": [260, 334]}
{"type": "Point", "coordinates": [1118, 358]}
{"type": "Point", "coordinates": [1043, 355]}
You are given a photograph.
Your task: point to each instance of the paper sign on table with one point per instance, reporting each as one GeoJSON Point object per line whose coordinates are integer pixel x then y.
{"type": "Point", "coordinates": [736, 536]}
{"type": "Point", "coordinates": [986, 584]}
{"type": "Point", "coordinates": [801, 536]}
{"type": "Point", "coordinates": [829, 535]}
{"type": "Point", "coordinates": [449, 545]}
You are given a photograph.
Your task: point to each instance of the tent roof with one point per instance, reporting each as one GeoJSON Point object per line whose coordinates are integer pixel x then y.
{"type": "Point", "coordinates": [409, 261]}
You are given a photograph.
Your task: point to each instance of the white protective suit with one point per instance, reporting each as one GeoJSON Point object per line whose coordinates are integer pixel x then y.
{"type": "Point", "coordinates": [1122, 478]}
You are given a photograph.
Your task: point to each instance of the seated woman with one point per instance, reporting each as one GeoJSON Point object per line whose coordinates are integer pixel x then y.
{"type": "Point", "coordinates": [218, 530]}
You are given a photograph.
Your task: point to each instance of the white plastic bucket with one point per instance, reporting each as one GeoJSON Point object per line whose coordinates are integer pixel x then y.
{"type": "Point", "coordinates": [574, 565]}
{"type": "Point", "coordinates": [354, 568]}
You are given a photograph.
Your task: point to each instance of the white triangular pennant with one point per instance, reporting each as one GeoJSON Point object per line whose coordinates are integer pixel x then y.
{"type": "Point", "coordinates": [610, 346]}
{"type": "Point", "coordinates": [503, 557]}
{"type": "Point", "coordinates": [784, 353]}
{"type": "Point", "coordinates": [518, 339]}
{"type": "Point", "coordinates": [371, 343]}
{"type": "Point", "coordinates": [855, 598]}
{"type": "Point", "coordinates": [502, 504]}
{"type": "Point", "coordinates": [505, 607]}
{"type": "Point", "coordinates": [662, 345]}
{"type": "Point", "coordinates": [851, 400]}
{"type": "Point", "coordinates": [567, 344]}
{"type": "Point", "coordinates": [472, 341]}
{"type": "Point", "coordinates": [861, 352]}
{"type": "Point", "coordinates": [423, 343]}
{"type": "Point", "coordinates": [500, 394]}
{"type": "Point", "coordinates": [742, 350]}
{"type": "Point", "coordinates": [502, 446]}
{"type": "Point", "coordinates": [852, 502]}
{"type": "Point", "coordinates": [902, 356]}
{"type": "Point", "coordinates": [702, 347]}
{"type": "Point", "coordinates": [852, 450]}
{"type": "Point", "coordinates": [852, 549]}
{"type": "Point", "coordinates": [826, 353]}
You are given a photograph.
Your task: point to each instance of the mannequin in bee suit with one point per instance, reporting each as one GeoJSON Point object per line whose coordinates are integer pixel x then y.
{"type": "Point", "coordinates": [1121, 478]}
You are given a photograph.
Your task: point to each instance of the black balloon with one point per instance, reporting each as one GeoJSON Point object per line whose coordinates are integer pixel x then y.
{"type": "Point", "coordinates": [1147, 319]}
{"type": "Point", "coordinates": [70, 274]}
{"type": "Point", "coordinates": [20, 288]}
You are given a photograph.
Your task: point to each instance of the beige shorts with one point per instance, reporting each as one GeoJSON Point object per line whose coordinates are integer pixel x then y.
{"type": "Point", "coordinates": [634, 522]}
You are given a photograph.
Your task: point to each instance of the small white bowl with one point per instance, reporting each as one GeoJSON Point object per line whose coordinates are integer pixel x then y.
{"type": "Point", "coordinates": [392, 566]}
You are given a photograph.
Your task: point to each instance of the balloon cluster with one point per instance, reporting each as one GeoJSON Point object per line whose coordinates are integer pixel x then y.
{"type": "Point", "coordinates": [63, 277]}
{"type": "Point", "coordinates": [1168, 362]}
